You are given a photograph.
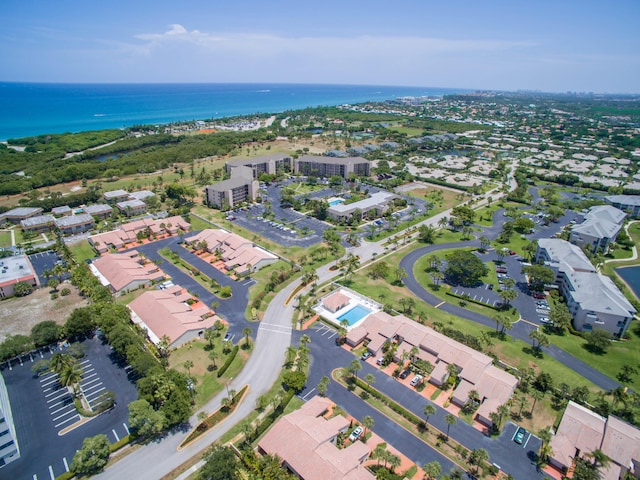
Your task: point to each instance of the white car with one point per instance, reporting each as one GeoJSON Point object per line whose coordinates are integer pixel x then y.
{"type": "Point", "coordinates": [545, 320]}
{"type": "Point", "coordinates": [356, 433]}
{"type": "Point", "coordinates": [417, 380]}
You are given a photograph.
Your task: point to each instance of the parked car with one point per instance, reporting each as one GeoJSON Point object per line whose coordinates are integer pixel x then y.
{"type": "Point", "coordinates": [490, 286]}
{"type": "Point", "coordinates": [357, 432]}
{"type": "Point", "coordinates": [404, 374]}
{"type": "Point", "coordinates": [227, 337]}
{"type": "Point", "coordinates": [417, 380]}
{"type": "Point", "coordinates": [545, 320]}
{"type": "Point", "coordinates": [380, 360]}
{"type": "Point", "coordinates": [512, 252]}
{"type": "Point", "coordinates": [519, 437]}
{"type": "Point", "coordinates": [539, 295]}
{"type": "Point", "coordinates": [365, 355]}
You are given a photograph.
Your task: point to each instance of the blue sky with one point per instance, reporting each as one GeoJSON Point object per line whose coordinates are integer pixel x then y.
{"type": "Point", "coordinates": [560, 45]}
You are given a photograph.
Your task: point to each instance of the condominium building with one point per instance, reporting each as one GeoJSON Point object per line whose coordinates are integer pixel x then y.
{"type": "Point", "coordinates": [270, 164]}
{"type": "Point", "coordinates": [627, 203]}
{"type": "Point", "coordinates": [331, 166]}
{"type": "Point", "coordinates": [593, 299]}
{"type": "Point", "coordinates": [377, 202]}
{"type": "Point", "coordinates": [241, 187]}
{"type": "Point", "coordinates": [600, 228]}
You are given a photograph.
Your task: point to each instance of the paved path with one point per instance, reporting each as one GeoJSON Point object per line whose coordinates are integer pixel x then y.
{"type": "Point", "coordinates": [634, 249]}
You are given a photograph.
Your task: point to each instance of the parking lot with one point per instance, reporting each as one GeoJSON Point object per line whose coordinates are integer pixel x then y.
{"type": "Point", "coordinates": [46, 261]}
{"type": "Point", "coordinates": [44, 415]}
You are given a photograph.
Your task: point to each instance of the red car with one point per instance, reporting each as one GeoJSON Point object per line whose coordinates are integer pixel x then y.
{"type": "Point", "coordinates": [511, 252]}
{"type": "Point", "coordinates": [539, 295]}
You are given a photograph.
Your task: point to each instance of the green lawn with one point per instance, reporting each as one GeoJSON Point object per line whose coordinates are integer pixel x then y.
{"type": "Point", "coordinates": [5, 238]}
{"type": "Point", "coordinates": [82, 251]}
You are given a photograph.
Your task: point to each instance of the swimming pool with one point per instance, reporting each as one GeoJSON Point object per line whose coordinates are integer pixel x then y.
{"type": "Point", "coordinates": [354, 315]}
{"type": "Point", "coordinates": [335, 201]}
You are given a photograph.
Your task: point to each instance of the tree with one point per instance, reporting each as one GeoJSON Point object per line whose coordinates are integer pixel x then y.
{"type": "Point", "coordinates": [626, 373]}
{"type": "Point", "coordinates": [355, 367]}
{"type": "Point", "coordinates": [536, 395]}
{"type": "Point", "coordinates": [367, 422]}
{"type": "Point", "coordinates": [370, 379]}
{"type": "Point", "coordinates": [144, 419]}
{"type": "Point", "coordinates": [212, 356]}
{"type": "Point", "coordinates": [539, 276]}
{"type": "Point", "coordinates": [323, 385]}
{"type": "Point", "coordinates": [188, 365]}
{"type": "Point", "coordinates": [59, 361]}
{"type": "Point", "coordinates": [560, 316]}
{"type": "Point", "coordinates": [209, 336]}
{"type": "Point", "coordinates": [221, 463]}
{"type": "Point", "coordinates": [426, 233]}
{"type": "Point", "coordinates": [484, 243]}
{"type": "Point", "coordinates": [464, 268]}
{"type": "Point", "coordinates": [429, 409]}
{"type": "Point", "coordinates": [294, 380]}
{"type": "Point", "coordinates": [246, 331]}
{"type": "Point", "coordinates": [432, 470]}
{"type": "Point", "coordinates": [538, 339]}
{"type": "Point", "coordinates": [598, 341]}
{"type": "Point", "coordinates": [450, 419]}
{"type": "Point", "coordinates": [71, 375]}
{"type": "Point", "coordinates": [478, 457]}
{"type": "Point", "coordinates": [22, 289]}
{"type": "Point", "coordinates": [464, 213]}
{"type": "Point", "coordinates": [379, 270]}
{"type": "Point", "coordinates": [92, 456]}
{"type": "Point", "coordinates": [504, 321]}
{"type": "Point", "coordinates": [507, 296]}
{"type": "Point", "coordinates": [45, 333]}
{"type": "Point", "coordinates": [399, 273]}
{"type": "Point", "coordinates": [53, 283]}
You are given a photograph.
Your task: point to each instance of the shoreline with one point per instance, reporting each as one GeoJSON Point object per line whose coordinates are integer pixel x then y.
{"type": "Point", "coordinates": [631, 289]}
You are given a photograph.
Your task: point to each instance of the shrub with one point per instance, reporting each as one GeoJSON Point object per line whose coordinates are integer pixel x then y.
{"type": "Point", "coordinates": [228, 361]}
{"type": "Point", "coordinates": [54, 296]}
{"type": "Point", "coordinates": [64, 292]}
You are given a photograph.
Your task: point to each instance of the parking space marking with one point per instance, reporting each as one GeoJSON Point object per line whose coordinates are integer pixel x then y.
{"type": "Point", "coordinates": [74, 418]}
{"type": "Point", "coordinates": [126, 428]}
{"type": "Point", "coordinates": [66, 465]}
{"type": "Point", "coordinates": [53, 477]}
{"type": "Point", "coordinates": [65, 414]}
{"type": "Point", "coordinates": [309, 393]}
{"type": "Point", "coordinates": [525, 443]}
{"type": "Point", "coordinates": [115, 435]}
{"type": "Point", "coordinates": [62, 393]}
{"type": "Point", "coordinates": [97, 379]}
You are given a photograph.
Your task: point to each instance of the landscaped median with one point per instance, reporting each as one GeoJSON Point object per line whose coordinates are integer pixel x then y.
{"type": "Point", "coordinates": [454, 451]}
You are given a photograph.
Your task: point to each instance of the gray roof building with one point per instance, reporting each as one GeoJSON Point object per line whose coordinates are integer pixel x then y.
{"type": "Point", "coordinates": [600, 228]}
{"type": "Point", "coordinates": [17, 214]}
{"type": "Point", "coordinates": [41, 222]}
{"type": "Point", "coordinates": [627, 203]}
{"type": "Point", "coordinates": [141, 195]}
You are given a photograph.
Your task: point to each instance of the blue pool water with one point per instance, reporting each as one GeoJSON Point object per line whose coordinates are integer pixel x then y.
{"type": "Point", "coordinates": [354, 315]}
{"type": "Point", "coordinates": [335, 202]}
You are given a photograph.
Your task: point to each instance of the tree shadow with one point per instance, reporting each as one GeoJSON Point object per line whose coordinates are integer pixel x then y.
{"type": "Point", "coordinates": [594, 349]}
{"type": "Point", "coordinates": [535, 352]}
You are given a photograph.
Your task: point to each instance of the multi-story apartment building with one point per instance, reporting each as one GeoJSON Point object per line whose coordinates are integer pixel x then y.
{"type": "Point", "coordinates": [331, 166]}
{"type": "Point", "coordinates": [270, 164]}
{"type": "Point", "coordinates": [241, 187]}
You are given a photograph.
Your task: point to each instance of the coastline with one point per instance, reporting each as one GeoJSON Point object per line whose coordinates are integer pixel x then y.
{"type": "Point", "coordinates": [635, 293]}
{"type": "Point", "coordinates": [31, 109]}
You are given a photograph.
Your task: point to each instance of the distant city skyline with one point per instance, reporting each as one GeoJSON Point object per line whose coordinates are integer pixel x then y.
{"type": "Point", "coordinates": [496, 45]}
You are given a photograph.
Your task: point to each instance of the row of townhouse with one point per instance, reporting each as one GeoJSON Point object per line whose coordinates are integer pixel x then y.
{"type": "Point", "coordinates": [593, 299]}
{"type": "Point", "coordinates": [243, 185]}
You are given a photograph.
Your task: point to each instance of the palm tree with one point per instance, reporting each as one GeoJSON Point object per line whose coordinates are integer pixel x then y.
{"type": "Point", "coordinates": [188, 365]}
{"type": "Point", "coordinates": [429, 409]}
{"type": "Point", "coordinates": [59, 361]}
{"type": "Point", "coordinates": [536, 395]}
{"type": "Point", "coordinates": [355, 367]}
{"type": "Point", "coordinates": [367, 422]}
{"type": "Point", "coordinates": [70, 376]}
{"type": "Point", "coordinates": [432, 470]}
{"type": "Point", "coordinates": [450, 419]}
{"type": "Point", "coordinates": [213, 355]}
{"type": "Point", "coordinates": [305, 339]}
{"type": "Point", "coordinates": [369, 378]}
{"type": "Point", "coordinates": [246, 331]}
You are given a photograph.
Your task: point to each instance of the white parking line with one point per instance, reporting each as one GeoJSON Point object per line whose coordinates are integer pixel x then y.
{"type": "Point", "coordinates": [62, 394]}
{"type": "Point", "coordinates": [93, 393]}
{"type": "Point", "coordinates": [89, 376]}
{"type": "Point", "coordinates": [65, 415]}
{"type": "Point", "coordinates": [85, 384]}
{"type": "Point", "coordinates": [310, 392]}
{"type": "Point", "coordinates": [52, 380]}
{"type": "Point", "coordinates": [67, 421]}
{"type": "Point", "coordinates": [66, 465]}
{"type": "Point", "coordinates": [126, 428]}
{"type": "Point", "coordinates": [61, 408]}
{"type": "Point", "coordinates": [53, 477]}
{"type": "Point", "coordinates": [115, 435]}
{"type": "Point", "coordinates": [525, 443]}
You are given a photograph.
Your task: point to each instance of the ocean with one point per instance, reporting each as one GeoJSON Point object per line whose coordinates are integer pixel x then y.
{"type": "Point", "coordinates": [631, 275]}
{"type": "Point", "coordinates": [28, 109]}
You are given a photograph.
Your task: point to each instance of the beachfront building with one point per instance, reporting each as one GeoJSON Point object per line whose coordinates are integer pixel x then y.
{"type": "Point", "coordinates": [132, 208]}
{"type": "Point", "coordinates": [124, 272]}
{"type": "Point", "coordinates": [241, 187]}
{"type": "Point", "coordinates": [234, 252]}
{"type": "Point", "coordinates": [629, 204]}
{"type": "Point", "coordinates": [171, 313]}
{"type": "Point", "coordinates": [306, 441]}
{"type": "Point", "coordinates": [13, 270]}
{"type": "Point", "coordinates": [127, 233]}
{"type": "Point", "coordinates": [377, 204]}
{"type": "Point", "coordinates": [600, 228]}
{"type": "Point", "coordinates": [37, 224]}
{"type": "Point", "coordinates": [99, 211]}
{"type": "Point", "coordinates": [317, 166]}
{"type": "Point", "coordinates": [593, 299]}
{"type": "Point", "coordinates": [581, 432]}
{"type": "Point", "coordinates": [269, 164]}
{"type": "Point", "coordinates": [16, 215]}
{"type": "Point", "coordinates": [74, 224]}
{"type": "Point", "coordinates": [475, 369]}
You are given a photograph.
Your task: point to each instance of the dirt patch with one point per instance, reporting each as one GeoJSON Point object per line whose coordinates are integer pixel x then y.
{"type": "Point", "coordinates": [19, 315]}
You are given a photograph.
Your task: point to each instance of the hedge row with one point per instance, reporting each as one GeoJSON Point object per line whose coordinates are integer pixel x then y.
{"type": "Point", "coordinates": [228, 361]}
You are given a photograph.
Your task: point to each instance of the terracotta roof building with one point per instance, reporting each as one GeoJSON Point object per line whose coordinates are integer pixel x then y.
{"type": "Point", "coordinates": [172, 312]}
{"type": "Point", "coordinates": [124, 272]}
{"type": "Point", "coordinates": [238, 254]}
{"type": "Point", "coordinates": [582, 431]}
{"type": "Point", "coordinates": [306, 442]}
{"type": "Point", "coordinates": [475, 369]}
{"type": "Point", "coordinates": [13, 270]}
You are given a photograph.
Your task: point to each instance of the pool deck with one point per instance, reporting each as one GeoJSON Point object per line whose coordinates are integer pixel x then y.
{"type": "Point", "coordinates": [355, 299]}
